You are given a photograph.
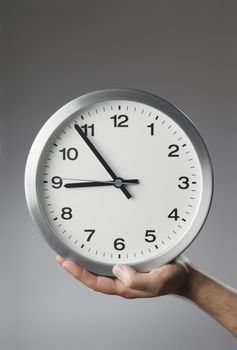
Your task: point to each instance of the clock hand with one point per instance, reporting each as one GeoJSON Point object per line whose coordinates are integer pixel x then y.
{"type": "Point", "coordinates": [117, 183]}
{"type": "Point", "coordinates": [90, 180]}
{"type": "Point", "coordinates": [101, 159]}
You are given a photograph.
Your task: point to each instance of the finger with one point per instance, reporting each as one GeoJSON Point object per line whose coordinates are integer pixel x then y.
{"type": "Point", "coordinates": [98, 283]}
{"type": "Point", "coordinates": [59, 259]}
{"type": "Point", "coordinates": [102, 284]}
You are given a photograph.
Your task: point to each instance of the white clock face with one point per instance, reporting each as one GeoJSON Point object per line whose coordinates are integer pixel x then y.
{"type": "Point", "coordinates": [126, 192]}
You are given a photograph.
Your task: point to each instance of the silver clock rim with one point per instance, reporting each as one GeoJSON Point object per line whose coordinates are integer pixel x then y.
{"type": "Point", "coordinates": [66, 112]}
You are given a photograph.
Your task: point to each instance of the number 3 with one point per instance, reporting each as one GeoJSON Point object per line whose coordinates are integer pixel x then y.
{"type": "Point", "coordinates": [185, 182]}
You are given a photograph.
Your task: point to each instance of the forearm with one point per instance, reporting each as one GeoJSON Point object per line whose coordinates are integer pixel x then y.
{"type": "Point", "coordinates": [217, 299]}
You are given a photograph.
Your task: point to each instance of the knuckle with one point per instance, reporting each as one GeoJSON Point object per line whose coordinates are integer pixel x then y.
{"type": "Point", "coordinates": [82, 276]}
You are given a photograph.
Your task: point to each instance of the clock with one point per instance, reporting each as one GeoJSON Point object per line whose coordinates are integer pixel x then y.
{"type": "Point", "coordinates": [119, 176]}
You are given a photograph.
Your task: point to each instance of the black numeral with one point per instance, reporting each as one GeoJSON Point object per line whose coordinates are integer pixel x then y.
{"type": "Point", "coordinates": [119, 244]}
{"type": "Point", "coordinates": [120, 121]}
{"type": "Point", "coordinates": [90, 235]}
{"type": "Point", "coordinates": [150, 237]}
{"type": "Point", "coordinates": [174, 214]}
{"type": "Point", "coordinates": [70, 153]}
{"type": "Point", "coordinates": [89, 128]}
{"type": "Point", "coordinates": [57, 182]}
{"type": "Point", "coordinates": [152, 128]}
{"type": "Point", "coordinates": [66, 213]}
{"type": "Point", "coordinates": [174, 152]}
{"type": "Point", "coordinates": [185, 182]}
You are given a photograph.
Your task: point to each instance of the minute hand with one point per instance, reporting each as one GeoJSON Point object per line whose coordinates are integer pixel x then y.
{"type": "Point", "coordinates": [101, 159]}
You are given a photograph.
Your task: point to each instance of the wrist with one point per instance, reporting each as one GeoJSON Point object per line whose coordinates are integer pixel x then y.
{"type": "Point", "coordinates": [193, 283]}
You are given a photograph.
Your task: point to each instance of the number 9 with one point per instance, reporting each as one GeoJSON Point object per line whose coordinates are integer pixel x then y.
{"type": "Point", "coordinates": [57, 182]}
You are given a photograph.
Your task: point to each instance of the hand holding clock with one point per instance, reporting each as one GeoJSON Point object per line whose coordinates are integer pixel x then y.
{"type": "Point", "coordinates": [180, 278]}
{"type": "Point", "coordinates": [168, 279]}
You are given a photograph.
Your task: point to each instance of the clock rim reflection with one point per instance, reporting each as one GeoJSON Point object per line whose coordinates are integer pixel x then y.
{"type": "Point", "coordinates": [51, 128]}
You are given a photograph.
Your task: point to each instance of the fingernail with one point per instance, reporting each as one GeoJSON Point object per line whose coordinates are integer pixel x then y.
{"type": "Point", "coordinates": [66, 265]}
{"type": "Point", "coordinates": [117, 270]}
{"type": "Point", "coordinates": [59, 259]}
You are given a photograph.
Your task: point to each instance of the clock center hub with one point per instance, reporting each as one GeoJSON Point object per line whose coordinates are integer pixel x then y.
{"type": "Point", "coordinates": [118, 182]}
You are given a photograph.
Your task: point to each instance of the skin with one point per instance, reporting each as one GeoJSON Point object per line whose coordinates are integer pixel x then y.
{"type": "Point", "coordinates": [180, 278]}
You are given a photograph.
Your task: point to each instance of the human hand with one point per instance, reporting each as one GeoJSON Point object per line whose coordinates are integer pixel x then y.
{"type": "Point", "coordinates": [127, 283]}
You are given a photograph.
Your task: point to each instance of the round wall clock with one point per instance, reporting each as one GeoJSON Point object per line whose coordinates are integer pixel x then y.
{"type": "Point", "coordinates": [119, 176]}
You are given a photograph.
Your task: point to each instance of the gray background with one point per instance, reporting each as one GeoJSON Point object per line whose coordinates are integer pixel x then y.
{"type": "Point", "coordinates": [54, 51]}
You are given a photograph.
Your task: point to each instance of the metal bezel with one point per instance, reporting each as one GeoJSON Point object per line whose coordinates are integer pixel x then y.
{"type": "Point", "coordinates": [67, 111]}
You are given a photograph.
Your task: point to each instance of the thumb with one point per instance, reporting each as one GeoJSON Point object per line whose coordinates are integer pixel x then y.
{"type": "Point", "coordinates": [130, 278]}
